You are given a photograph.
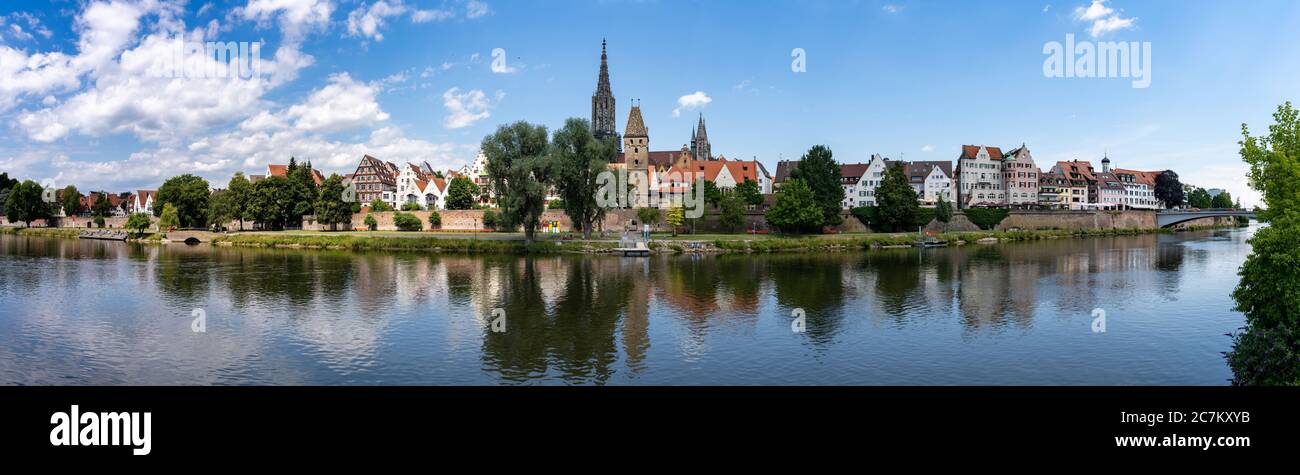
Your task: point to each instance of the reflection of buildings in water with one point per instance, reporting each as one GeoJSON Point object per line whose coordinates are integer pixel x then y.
{"type": "Point", "coordinates": [413, 280]}
{"type": "Point", "coordinates": [636, 314]}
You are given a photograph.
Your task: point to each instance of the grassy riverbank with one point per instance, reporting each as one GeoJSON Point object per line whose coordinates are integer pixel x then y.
{"type": "Point", "coordinates": [410, 242]}
{"type": "Point", "coordinates": [44, 232]}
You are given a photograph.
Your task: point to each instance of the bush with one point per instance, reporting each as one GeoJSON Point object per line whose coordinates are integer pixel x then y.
{"type": "Point", "coordinates": [435, 220]}
{"type": "Point", "coordinates": [489, 219]}
{"type": "Point", "coordinates": [870, 214]}
{"type": "Point", "coordinates": [412, 207]}
{"type": "Point", "coordinates": [99, 221]}
{"type": "Point", "coordinates": [555, 204]}
{"type": "Point", "coordinates": [987, 218]}
{"type": "Point", "coordinates": [371, 224]}
{"type": "Point", "coordinates": [407, 222]}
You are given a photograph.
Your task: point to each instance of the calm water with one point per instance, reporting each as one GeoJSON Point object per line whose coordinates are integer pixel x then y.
{"type": "Point", "coordinates": [86, 312]}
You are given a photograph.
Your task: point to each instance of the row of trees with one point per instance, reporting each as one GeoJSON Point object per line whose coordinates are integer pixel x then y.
{"type": "Point", "coordinates": [812, 197]}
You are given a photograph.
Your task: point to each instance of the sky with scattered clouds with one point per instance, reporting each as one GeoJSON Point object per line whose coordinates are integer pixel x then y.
{"type": "Point", "coordinates": [91, 94]}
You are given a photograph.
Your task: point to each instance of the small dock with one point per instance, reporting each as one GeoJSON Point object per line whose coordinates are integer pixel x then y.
{"type": "Point", "coordinates": [640, 250]}
{"type": "Point", "coordinates": [104, 235]}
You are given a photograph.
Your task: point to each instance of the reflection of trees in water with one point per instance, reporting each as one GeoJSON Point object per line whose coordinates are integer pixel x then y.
{"type": "Point", "coordinates": [815, 284]}
{"type": "Point", "coordinates": [897, 280]}
{"type": "Point", "coordinates": [577, 337]}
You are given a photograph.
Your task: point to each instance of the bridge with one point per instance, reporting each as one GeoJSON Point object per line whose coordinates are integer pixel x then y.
{"type": "Point", "coordinates": [191, 236]}
{"type": "Point", "coordinates": [1169, 218]}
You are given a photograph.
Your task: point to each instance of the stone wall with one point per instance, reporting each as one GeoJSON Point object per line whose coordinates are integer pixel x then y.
{"type": "Point", "coordinates": [114, 222]}
{"type": "Point", "coordinates": [1078, 220]}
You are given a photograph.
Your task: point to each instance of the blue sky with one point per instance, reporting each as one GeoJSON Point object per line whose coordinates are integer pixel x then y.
{"type": "Point", "coordinates": [414, 81]}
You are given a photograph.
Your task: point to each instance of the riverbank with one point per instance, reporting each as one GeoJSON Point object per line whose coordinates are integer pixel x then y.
{"type": "Point", "coordinates": [505, 243]}
{"type": "Point", "coordinates": [739, 243]}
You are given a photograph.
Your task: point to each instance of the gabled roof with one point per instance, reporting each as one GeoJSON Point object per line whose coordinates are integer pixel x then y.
{"type": "Point", "coordinates": [923, 169]}
{"type": "Point", "coordinates": [971, 151]}
{"type": "Point", "coordinates": [1076, 170]}
{"type": "Point", "coordinates": [851, 173]}
{"type": "Point", "coordinates": [1145, 178]}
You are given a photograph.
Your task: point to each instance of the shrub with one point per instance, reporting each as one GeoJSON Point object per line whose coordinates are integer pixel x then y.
{"type": "Point", "coordinates": [489, 219]}
{"type": "Point", "coordinates": [407, 222]}
{"type": "Point", "coordinates": [435, 220]}
{"type": "Point", "coordinates": [412, 207]}
{"type": "Point", "coordinates": [371, 224]}
{"type": "Point", "coordinates": [987, 218]}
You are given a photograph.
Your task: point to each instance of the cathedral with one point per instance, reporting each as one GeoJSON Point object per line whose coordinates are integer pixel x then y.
{"type": "Point", "coordinates": [635, 143]}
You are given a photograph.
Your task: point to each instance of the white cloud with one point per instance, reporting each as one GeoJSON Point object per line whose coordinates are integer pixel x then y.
{"type": "Point", "coordinates": [890, 8]}
{"type": "Point", "coordinates": [927, 148]}
{"type": "Point", "coordinates": [690, 101]}
{"type": "Point", "coordinates": [425, 16]}
{"type": "Point", "coordinates": [1104, 19]}
{"type": "Point", "coordinates": [366, 21]}
{"type": "Point", "coordinates": [343, 104]}
{"type": "Point", "coordinates": [476, 9]}
{"type": "Point", "coordinates": [466, 108]}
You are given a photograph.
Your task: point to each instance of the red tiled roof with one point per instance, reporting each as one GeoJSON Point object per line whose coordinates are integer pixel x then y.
{"type": "Point", "coordinates": [971, 151]}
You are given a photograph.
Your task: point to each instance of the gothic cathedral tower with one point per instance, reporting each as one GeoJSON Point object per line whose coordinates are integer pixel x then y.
{"type": "Point", "coordinates": [700, 148]}
{"type": "Point", "coordinates": [602, 102]}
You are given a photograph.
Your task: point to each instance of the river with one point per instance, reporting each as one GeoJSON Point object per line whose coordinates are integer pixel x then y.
{"type": "Point", "coordinates": [111, 313]}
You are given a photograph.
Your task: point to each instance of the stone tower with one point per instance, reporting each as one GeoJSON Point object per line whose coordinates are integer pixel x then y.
{"type": "Point", "coordinates": [700, 142]}
{"type": "Point", "coordinates": [602, 102]}
{"type": "Point", "coordinates": [636, 141]}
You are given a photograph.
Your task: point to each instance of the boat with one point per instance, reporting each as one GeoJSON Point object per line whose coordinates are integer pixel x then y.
{"type": "Point", "coordinates": [929, 242]}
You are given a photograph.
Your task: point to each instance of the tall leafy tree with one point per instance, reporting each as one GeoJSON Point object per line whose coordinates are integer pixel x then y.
{"type": "Point", "coordinates": [170, 217]}
{"type": "Point", "coordinates": [521, 173]}
{"type": "Point", "coordinates": [749, 193]}
{"type": "Point", "coordinates": [1199, 198]}
{"type": "Point", "coordinates": [733, 212]}
{"type": "Point", "coordinates": [1169, 190]}
{"type": "Point", "coordinates": [461, 193]}
{"type": "Point", "coordinates": [271, 202]}
{"type": "Point", "coordinates": [896, 200]}
{"type": "Point", "coordinates": [579, 159]}
{"type": "Point", "coordinates": [330, 208]}
{"type": "Point", "coordinates": [70, 201]}
{"type": "Point", "coordinates": [1267, 351]}
{"type": "Point", "coordinates": [1222, 200]}
{"type": "Point", "coordinates": [239, 192]}
{"type": "Point", "coordinates": [25, 203]}
{"type": "Point", "coordinates": [220, 210]}
{"type": "Point", "coordinates": [189, 194]}
{"type": "Point", "coordinates": [821, 173]}
{"type": "Point", "coordinates": [943, 211]}
{"type": "Point", "coordinates": [102, 208]}
{"type": "Point", "coordinates": [712, 195]}
{"type": "Point", "coordinates": [138, 222]}
{"type": "Point", "coordinates": [7, 183]}
{"type": "Point", "coordinates": [796, 209]}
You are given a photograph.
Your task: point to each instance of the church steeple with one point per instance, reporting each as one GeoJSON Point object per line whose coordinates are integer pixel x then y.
{"type": "Point", "coordinates": [602, 101]}
{"type": "Point", "coordinates": [700, 142]}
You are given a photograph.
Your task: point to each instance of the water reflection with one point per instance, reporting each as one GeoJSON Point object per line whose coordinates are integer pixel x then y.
{"type": "Point", "coordinates": [88, 312]}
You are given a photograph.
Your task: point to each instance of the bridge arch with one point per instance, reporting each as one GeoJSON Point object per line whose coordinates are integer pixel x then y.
{"type": "Point", "coordinates": [1167, 219]}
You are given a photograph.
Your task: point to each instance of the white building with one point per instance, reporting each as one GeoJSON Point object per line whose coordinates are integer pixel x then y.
{"type": "Point", "coordinates": [979, 177]}
{"type": "Point", "coordinates": [419, 185]}
{"type": "Point", "coordinates": [860, 181]}
{"type": "Point", "coordinates": [931, 180]}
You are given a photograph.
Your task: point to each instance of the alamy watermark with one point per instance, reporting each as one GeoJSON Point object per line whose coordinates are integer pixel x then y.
{"type": "Point", "coordinates": [210, 60]}
{"type": "Point", "coordinates": [622, 188]}
{"type": "Point", "coordinates": [1104, 59]}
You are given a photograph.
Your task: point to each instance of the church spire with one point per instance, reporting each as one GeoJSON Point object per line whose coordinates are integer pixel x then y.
{"type": "Point", "coordinates": [602, 101]}
{"type": "Point", "coordinates": [700, 142]}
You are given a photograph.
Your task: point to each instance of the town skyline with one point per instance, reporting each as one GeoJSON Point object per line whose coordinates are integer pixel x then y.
{"type": "Point", "coordinates": [364, 93]}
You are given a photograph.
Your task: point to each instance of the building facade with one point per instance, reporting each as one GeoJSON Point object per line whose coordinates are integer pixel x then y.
{"type": "Point", "coordinates": [979, 177]}
{"type": "Point", "coordinates": [1020, 176]}
{"type": "Point", "coordinates": [375, 179]}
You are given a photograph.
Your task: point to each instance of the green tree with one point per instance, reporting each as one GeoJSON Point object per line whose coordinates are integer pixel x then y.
{"type": "Point", "coordinates": [648, 216]}
{"type": "Point", "coordinates": [896, 200]}
{"type": "Point", "coordinates": [733, 212]}
{"type": "Point", "coordinates": [1169, 190]}
{"type": "Point", "coordinates": [25, 203]}
{"type": "Point", "coordinates": [821, 174]}
{"type": "Point", "coordinates": [99, 221]}
{"type": "Point", "coordinates": [1223, 200]}
{"type": "Point", "coordinates": [380, 206]}
{"type": "Point", "coordinates": [579, 159]}
{"type": "Point", "coordinates": [371, 224]}
{"type": "Point", "coordinates": [220, 210]}
{"type": "Point", "coordinates": [7, 183]}
{"type": "Point", "coordinates": [170, 217]}
{"type": "Point", "coordinates": [189, 194]}
{"type": "Point", "coordinates": [238, 194]}
{"type": "Point", "coordinates": [676, 216]}
{"type": "Point", "coordinates": [435, 220]}
{"type": "Point", "coordinates": [943, 212]}
{"type": "Point", "coordinates": [4, 196]}
{"type": "Point", "coordinates": [521, 173]}
{"type": "Point", "coordinates": [490, 219]}
{"type": "Point", "coordinates": [271, 202]}
{"type": "Point", "coordinates": [407, 222]}
{"type": "Point", "coordinates": [102, 207]}
{"type": "Point", "coordinates": [330, 208]}
{"type": "Point", "coordinates": [712, 195]}
{"type": "Point", "coordinates": [70, 201]}
{"type": "Point", "coordinates": [138, 222]}
{"type": "Point", "coordinates": [796, 209]}
{"type": "Point", "coordinates": [749, 193]}
{"type": "Point", "coordinates": [461, 193]}
{"type": "Point", "coordinates": [412, 207]}
{"type": "Point", "coordinates": [1267, 350]}
{"type": "Point", "coordinates": [1199, 198]}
